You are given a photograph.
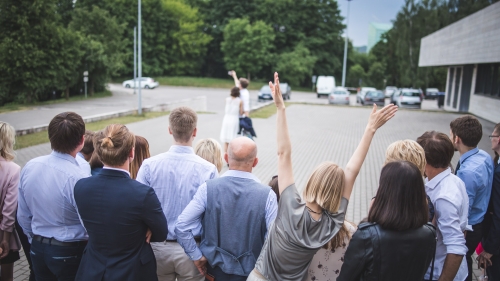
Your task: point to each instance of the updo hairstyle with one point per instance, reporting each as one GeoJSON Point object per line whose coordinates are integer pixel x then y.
{"type": "Point", "coordinates": [113, 144]}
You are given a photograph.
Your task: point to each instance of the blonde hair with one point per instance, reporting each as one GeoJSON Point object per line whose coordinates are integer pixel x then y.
{"type": "Point", "coordinates": [7, 140]}
{"type": "Point", "coordinates": [325, 186]}
{"type": "Point", "coordinates": [182, 121]}
{"type": "Point", "coordinates": [141, 153]}
{"type": "Point", "coordinates": [406, 150]}
{"type": "Point", "coordinates": [210, 150]}
{"type": "Point", "coordinates": [113, 144]}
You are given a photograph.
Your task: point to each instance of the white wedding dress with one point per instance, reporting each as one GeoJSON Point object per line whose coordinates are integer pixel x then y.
{"type": "Point", "coordinates": [231, 121]}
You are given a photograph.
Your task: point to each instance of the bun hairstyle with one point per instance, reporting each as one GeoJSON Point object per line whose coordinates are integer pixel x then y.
{"type": "Point", "coordinates": [113, 144]}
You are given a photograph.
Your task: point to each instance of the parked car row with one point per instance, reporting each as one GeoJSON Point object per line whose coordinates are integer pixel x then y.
{"type": "Point", "coordinates": [265, 92]}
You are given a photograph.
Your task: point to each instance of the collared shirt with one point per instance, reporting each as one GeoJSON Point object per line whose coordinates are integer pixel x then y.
{"type": "Point", "coordinates": [46, 200]}
{"type": "Point", "coordinates": [175, 177]}
{"type": "Point", "coordinates": [447, 193]}
{"type": "Point", "coordinates": [117, 169]}
{"type": "Point", "coordinates": [84, 165]}
{"type": "Point", "coordinates": [476, 171]}
{"type": "Point", "coordinates": [190, 218]}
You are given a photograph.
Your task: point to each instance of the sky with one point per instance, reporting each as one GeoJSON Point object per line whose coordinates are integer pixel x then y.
{"type": "Point", "coordinates": [362, 12]}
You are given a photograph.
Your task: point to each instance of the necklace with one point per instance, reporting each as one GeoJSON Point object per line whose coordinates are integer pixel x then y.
{"type": "Point", "coordinates": [310, 210]}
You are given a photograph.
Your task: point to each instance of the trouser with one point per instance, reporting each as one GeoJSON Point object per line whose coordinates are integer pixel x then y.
{"type": "Point", "coordinates": [172, 263]}
{"type": "Point", "coordinates": [219, 275]}
{"type": "Point", "coordinates": [55, 263]}
{"type": "Point", "coordinates": [493, 271]}
{"type": "Point", "coordinates": [26, 248]}
{"type": "Point", "coordinates": [472, 239]}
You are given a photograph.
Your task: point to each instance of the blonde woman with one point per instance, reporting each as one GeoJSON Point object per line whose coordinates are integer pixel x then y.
{"type": "Point", "coordinates": [9, 181]}
{"type": "Point", "coordinates": [303, 226]}
{"type": "Point", "coordinates": [210, 150]}
{"type": "Point", "coordinates": [141, 154]}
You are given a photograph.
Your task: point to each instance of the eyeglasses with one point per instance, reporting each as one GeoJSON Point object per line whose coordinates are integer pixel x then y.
{"type": "Point", "coordinates": [493, 136]}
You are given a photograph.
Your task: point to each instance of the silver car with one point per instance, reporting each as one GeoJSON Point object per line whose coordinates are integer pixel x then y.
{"type": "Point", "coordinates": [409, 98]}
{"type": "Point", "coordinates": [339, 96]}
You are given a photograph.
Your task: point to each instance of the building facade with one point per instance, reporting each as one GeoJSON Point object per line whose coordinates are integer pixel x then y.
{"type": "Point", "coordinates": [375, 31]}
{"type": "Point", "coordinates": [470, 48]}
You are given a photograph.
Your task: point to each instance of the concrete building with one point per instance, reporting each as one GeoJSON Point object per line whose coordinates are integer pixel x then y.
{"type": "Point", "coordinates": [375, 31]}
{"type": "Point", "coordinates": [470, 48]}
{"type": "Point", "coordinates": [360, 49]}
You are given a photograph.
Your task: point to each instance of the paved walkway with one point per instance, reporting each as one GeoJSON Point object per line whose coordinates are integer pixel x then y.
{"type": "Point", "coordinates": [318, 133]}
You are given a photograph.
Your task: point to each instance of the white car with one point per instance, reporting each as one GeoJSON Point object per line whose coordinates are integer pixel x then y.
{"type": "Point", "coordinates": [362, 93]}
{"type": "Point", "coordinates": [146, 83]}
{"type": "Point", "coordinates": [339, 96]}
{"type": "Point", "coordinates": [389, 91]}
{"type": "Point", "coordinates": [410, 98]}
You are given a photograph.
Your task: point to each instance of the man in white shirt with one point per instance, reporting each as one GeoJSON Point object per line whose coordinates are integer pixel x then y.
{"type": "Point", "coordinates": [451, 203]}
{"type": "Point", "coordinates": [242, 83]}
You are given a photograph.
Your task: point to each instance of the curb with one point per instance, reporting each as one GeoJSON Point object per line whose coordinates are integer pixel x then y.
{"type": "Point", "coordinates": [197, 103]}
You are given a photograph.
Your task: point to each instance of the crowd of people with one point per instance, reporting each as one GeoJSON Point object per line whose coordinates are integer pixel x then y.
{"type": "Point", "coordinates": [99, 207]}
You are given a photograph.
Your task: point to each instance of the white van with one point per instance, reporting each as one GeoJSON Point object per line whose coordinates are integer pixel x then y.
{"type": "Point", "coordinates": [325, 85]}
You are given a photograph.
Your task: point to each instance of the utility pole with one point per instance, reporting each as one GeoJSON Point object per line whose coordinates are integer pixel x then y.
{"type": "Point", "coordinates": [135, 58]}
{"type": "Point", "coordinates": [345, 45]}
{"type": "Point", "coordinates": [139, 50]}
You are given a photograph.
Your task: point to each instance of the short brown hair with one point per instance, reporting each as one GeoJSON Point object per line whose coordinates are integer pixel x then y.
{"type": "Point", "coordinates": [468, 129]}
{"type": "Point", "coordinates": [113, 144]}
{"type": "Point", "coordinates": [182, 122]}
{"type": "Point", "coordinates": [88, 145]}
{"type": "Point", "coordinates": [141, 153]}
{"type": "Point", "coordinates": [244, 83]}
{"type": "Point", "coordinates": [273, 183]}
{"type": "Point", "coordinates": [438, 148]}
{"type": "Point", "coordinates": [401, 203]}
{"type": "Point", "coordinates": [235, 92]}
{"type": "Point", "coordinates": [66, 131]}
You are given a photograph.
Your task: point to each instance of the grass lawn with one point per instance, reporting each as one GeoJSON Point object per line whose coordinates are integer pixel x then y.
{"type": "Point", "coordinates": [42, 137]}
{"type": "Point", "coordinates": [266, 111]}
{"type": "Point", "coordinates": [16, 106]}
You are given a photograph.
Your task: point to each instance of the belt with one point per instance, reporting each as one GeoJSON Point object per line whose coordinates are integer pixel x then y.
{"type": "Point", "coordinates": [53, 241]}
{"type": "Point", "coordinates": [196, 239]}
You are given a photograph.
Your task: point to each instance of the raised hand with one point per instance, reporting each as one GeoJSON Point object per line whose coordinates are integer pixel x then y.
{"type": "Point", "coordinates": [276, 92]}
{"type": "Point", "coordinates": [379, 118]}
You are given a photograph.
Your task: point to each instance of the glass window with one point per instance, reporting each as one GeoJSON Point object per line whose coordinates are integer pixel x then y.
{"type": "Point", "coordinates": [411, 94]}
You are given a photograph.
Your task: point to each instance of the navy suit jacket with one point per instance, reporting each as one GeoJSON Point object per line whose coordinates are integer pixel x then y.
{"type": "Point", "coordinates": [491, 223]}
{"type": "Point", "coordinates": [117, 212]}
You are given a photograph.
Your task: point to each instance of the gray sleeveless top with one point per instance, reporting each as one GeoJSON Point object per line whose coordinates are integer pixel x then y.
{"type": "Point", "coordinates": [295, 237]}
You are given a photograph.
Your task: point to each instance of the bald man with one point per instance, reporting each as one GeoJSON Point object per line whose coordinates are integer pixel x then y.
{"type": "Point", "coordinates": [235, 212]}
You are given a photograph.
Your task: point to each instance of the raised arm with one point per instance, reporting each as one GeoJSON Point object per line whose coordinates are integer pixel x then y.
{"type": "Point", "coordinates": [235, 78]}
{"type": "Point", "coordinates": [376, 120]}
{"type": "Point", "coordinates": [285, 173]}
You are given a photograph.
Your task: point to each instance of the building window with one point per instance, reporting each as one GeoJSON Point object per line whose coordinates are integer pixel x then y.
{"type": "Point", "coordinates": [450, 86]}
{"type": "Point", "coordinates": [488, 80]}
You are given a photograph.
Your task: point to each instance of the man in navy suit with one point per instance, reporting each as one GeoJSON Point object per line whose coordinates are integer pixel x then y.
{"type": "Point", "coordinates": [117, 213]}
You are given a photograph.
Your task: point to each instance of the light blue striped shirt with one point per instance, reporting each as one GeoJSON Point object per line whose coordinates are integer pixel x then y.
{"type": "Point", "coordinates": [46, 203]}
{"type": "Point", "coordinates": [175, 177]}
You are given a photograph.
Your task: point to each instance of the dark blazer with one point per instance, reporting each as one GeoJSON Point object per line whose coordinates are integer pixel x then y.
{"type": "Point", "coordinates": [375, 253]}
{"type": "Point", "coordinates": [117, 211]}
{"type": "Point", "coordinates": [491, 224]}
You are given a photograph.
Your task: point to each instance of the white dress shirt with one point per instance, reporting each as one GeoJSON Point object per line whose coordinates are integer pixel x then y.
{"type": "Point", "coordinates": [451, 205]}
{"type": "Point", "coordinates": [245, 97]}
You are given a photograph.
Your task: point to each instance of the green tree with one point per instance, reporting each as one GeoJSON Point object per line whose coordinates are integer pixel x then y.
{"type": "Point", "coordinates": [376, 75]}
{"type": "Point", "coordinates": [246, 46]}
{"type": "Point", "coordinates": [101, 43]}
{"type": "Point", "coordinates": [295, 66]}
{"type": "Point", "coordinates": [357, 76]}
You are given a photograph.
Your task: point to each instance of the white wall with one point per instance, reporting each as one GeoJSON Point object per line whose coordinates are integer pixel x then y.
{"type": "Point", "coordinates": [485, 107]}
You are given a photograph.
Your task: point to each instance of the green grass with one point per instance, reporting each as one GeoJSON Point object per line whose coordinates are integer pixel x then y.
{"type": "Point", "coordinates": [266, 111]}
{"type": "Point", "coordinates": [9, 107]}
{"type": "Point", "coordinates": [42, 137]}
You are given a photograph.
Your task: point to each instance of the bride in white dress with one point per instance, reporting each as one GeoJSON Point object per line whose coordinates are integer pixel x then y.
{"type": "Point", "coordinates": [231, 121]}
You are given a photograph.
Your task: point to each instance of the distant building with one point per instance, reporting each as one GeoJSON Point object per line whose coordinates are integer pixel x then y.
{"type": "Point", "coordinates": [470, 48]}
{"type": "Point", "coordinates": [375, 31]}
{"type": "Point", "coordinates": [360, 49]}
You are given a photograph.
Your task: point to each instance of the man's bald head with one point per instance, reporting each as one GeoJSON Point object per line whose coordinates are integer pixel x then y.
{"type": "Point", "coordinates": [242, 152]}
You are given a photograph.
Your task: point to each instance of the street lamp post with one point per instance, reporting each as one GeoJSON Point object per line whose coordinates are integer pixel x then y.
{"type": "Point", "coordinates": [139, 51]}
{"type": "Point", "coordinates": [135, 58]}
{"type": "Point", "coordinates": [345, 45]}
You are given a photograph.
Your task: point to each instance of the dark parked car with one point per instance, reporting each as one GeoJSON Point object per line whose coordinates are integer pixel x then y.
{"type": "Point", "coordinates": [372, 97]}
{"type": "Point", "coordinates": [431, 93]}
{"type": "Point", "coordinates": [265, 92]}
